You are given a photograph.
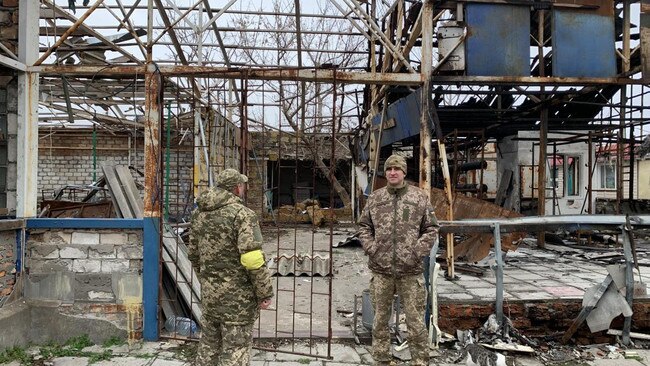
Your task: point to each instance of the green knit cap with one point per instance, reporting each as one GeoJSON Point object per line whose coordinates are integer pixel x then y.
{"type": "Point", "coordinates": [395, 161]}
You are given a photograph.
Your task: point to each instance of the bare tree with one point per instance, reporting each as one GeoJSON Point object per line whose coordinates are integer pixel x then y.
{"type": "Point", "coordinates": [307, 108]}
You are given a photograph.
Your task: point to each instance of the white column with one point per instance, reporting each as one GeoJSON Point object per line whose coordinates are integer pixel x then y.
{"type": "Point", "coordinates": [27, 164]}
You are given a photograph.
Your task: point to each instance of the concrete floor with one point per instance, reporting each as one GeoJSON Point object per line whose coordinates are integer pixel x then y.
{"type": "Point", "coordinates": [555, 273]}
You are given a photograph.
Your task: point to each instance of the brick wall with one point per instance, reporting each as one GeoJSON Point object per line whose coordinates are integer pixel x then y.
{"type": "Point", "coordinates": [66, 158]}
{"type": "Point", "coordinates": [87, 270]}
{"type": "Point", "coordinates": [7, 263]}
{"type": "Point", "coordinates": [539, 318]}
{"type": "Point", "coordinates": [8, 108]}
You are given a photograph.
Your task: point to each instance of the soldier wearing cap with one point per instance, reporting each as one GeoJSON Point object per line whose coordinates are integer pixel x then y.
{"type": "Point", "coordinates": [397, 229]}
{"type": "Point", "coordinates": [226, 252]}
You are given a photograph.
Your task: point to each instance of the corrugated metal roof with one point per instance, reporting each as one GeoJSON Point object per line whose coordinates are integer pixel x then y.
{"type": "Point", "coordinates": [299, 265]}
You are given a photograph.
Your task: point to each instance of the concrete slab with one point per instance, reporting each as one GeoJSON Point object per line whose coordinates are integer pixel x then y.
{"type": "Point", "coordinates": [458, 296]}
{"type": "Point", "coordinates": [527, 361]}
{"type": "Point", "coordinates": [70, 361]}
{"type": "Point", "coordinates": [537, 295]}
{"type": "Point", "coordinates": [524, 275]}
{"type": "Point", "coordinates": [617, 362]}
{"type": "Point", "coordinates": [159, 362]}
{"type": "Point", "coordinates": [125, 361]}
{"type": "Point", "coordinates": [564, 291]}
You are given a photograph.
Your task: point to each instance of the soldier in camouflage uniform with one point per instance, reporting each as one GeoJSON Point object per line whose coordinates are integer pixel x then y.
{"type": "Point", "coordinates": [397, 229]}
{"type": "Point", "coordinates": [226, 253]}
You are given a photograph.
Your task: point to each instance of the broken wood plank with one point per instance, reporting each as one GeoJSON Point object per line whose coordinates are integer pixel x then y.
{"type": "Point", "coordinates": [589, 306]}
{"type": "Point", "coordinates": [130, 190]}
{"type": "Point", "coordinates": [504, 184]}
{"type": "Point", "coordinates": [174, 253]}
{"type": "Point", "coordinates": [115, 188]}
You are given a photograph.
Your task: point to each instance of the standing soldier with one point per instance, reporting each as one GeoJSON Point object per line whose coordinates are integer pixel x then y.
{"type": "Point", "coordinates": [226, 253]}
{"type": "Point", "coordinates": [397, 230]}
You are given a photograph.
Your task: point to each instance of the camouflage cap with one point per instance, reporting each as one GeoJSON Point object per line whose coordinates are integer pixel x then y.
{"type": "Point", "coordinates": [229, 178]}
{"type": "Point", "coordinates": [396, 161]}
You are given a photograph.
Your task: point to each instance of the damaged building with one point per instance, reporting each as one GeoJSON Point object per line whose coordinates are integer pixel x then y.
{"type": "Point", "coordinates": [525, 123]}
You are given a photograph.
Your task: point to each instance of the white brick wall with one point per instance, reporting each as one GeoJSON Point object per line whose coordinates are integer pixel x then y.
{"type": "Point", "coordinates": [104, 251]}
{"type": "Point", "coordinates": [65, 158]}
{"type": "Point", "coordinates": [74, 252]}
{"type": "Point", "coordinates": [87, 265]}
{"type": "Point", "coordinates": [115, 265]}
{"type": "Point", "coordinates": [85, 238]}
{"type": "Point", "coordinates": [114, 238]}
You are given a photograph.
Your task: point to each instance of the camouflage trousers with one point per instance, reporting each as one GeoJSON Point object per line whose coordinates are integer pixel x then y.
{"type": "Point", "coordinates": [224, 344]}
{"type": "Point", "coordinates": [413, 301]}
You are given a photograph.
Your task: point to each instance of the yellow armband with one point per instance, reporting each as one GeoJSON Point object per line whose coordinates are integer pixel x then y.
{"type": "Point", "coordinates": [252, 260]}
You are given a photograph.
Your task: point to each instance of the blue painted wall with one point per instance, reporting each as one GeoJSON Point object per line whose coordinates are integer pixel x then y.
{"type": "Point", "coordinates": [498, 40]}
{"type": "Point", "coordinates": [583, 44]}
{"type": "Point", "coordinates": [406, 112]}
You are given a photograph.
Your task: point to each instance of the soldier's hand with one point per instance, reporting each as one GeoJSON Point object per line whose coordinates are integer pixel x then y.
{"type": "Point", "coordinates": [265, 304]}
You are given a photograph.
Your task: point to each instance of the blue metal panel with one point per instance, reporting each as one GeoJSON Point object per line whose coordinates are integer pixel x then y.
{"type": "Point", "coordinates": [150, 278]}
{"type": "Point", "coordinates": [406, 112]}
{"type": "Point", "coordinates": [47, 223]}
{"type": "Point", "coordinates": [583, 44]}
{"type": "Point", "coordinates": [498, 40]}
{"type": "Point", "coordinates": [19, 249]}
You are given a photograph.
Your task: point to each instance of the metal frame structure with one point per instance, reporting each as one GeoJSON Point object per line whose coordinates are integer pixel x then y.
{"type": "Point", "coordinates": [120, 64]}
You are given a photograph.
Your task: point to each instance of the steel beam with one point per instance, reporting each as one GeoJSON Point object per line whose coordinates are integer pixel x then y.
{"type": "Point", "coordinates": [532, 223]}
{"type": "Point", "coordinates": [321, 75]}
{"type": "Point", "coordinates": [152, 201]}
{"type": "Point", "coordinates": [61, 12]}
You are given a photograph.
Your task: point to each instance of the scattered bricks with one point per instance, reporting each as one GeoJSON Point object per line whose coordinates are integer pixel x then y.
{"type": "Point", "coordinates": [87, 265]}
{"type": "Point", "coordinates": [110, 266]}
{"type": "Point", "coordinates": [3, 273]}
{"type": "Point", "coordinates": [114, 238]}
{"type": "Point", "coordinates": [6, 291]}
{"type": "Point", "coordinates": [85, 238]}
{"type": "Point", "coordinates": [10, 3]}
{"type": "Point", "coordinates": [129, 252]}
{"type": "Point", "coordinates": [44, 252]}
{"type": "Point", "coordinates": [102, 251]}
{"type": "Point", "coordinates": [74, 252]}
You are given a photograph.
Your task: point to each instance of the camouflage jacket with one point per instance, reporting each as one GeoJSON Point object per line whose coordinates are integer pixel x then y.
{"type": "Point", "coordinates": [222, 230]}
{"type": "Point", "coordinates": [397, 229]}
